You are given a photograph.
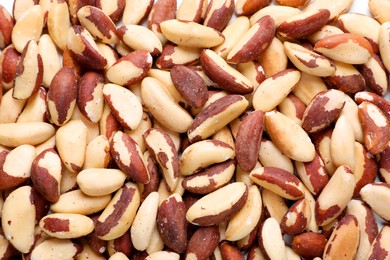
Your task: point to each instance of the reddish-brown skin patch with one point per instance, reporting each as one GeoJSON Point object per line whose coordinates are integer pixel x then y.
{"type": "Point", "coordinates": [305, 27]}
{"type": "Point", "coordinates": [282, 178]}
{"type": "Point", "coordinates": [248, 140]}
{"type": "Point", "coordinates": [378, 251]}
{"type": "Point", "coordinates": [136, 170]}
{"type": "Point", "coordinates": [6, 26]}
{"type": "Point", "coordinates": [8, 181]}
{"type": "Point", "coordinates": [214, 109]}
{"type": "Point", "coordinates": [369, 174]}
{"type": "Point", "coordinates": [123, 244]}
{"type": "Point", "coordinates": [216, 169]}
{"type": "Point", "coordinates": [350, 84]}
{"type": "Point", "coordinates": [161, 11]}
{"type": "Point", "coordinates": [92, 239]}
{"type": "Point", "coordinates": [10, 58]}
{"type": "Point", "coordinates": [203, 242]}
{"type": "Point", "coordinates": [324, 214]}
{"type": "Point", "coordinates": [62, 92]}
{"type": "Point", "coordinates": [314, 170]}
{"type": "Point", "coordinates": [384, 161]}
{"type": "Point", "coordinates": [251, 7]}
{"type": "Point", "coordinates": [221, 77]}
{"type": "Point", "coordinates": [371, 226]}
{"type": "Point", "coordinates": [117, 14]}
{"type": "Point", "coordinates": [282, 73]}
{"type": "Point", "coordinates": [224, 215]}
{"type": "Point", "coordinates": [103, 228]}
{"type": "Point", "coordinates": [190, 85]}
{"type": "Point", "coordinates": [258, 43]}
{"type": "Point", "coordinates": [56, 225]}
{"type": "Point", "coordinates": [102, 22]}
{"type": "Point", "coordinates": [300, 223]}
{"type": "Point", "coordinates": [42, 180]}
{"type": "Point", "coordinates": [379, 101]}
{"type": "Point", "coordinates": [230, 252]}
{"type": "Point", "coordinates": [172, 224]}
{"type": "Point", "coordinates": [154, 175]}
{"type": "Point", "coordinates": [219, 18]}
{"type": "Point", "coordinates": [333, 41]}
{"type": "Point", "coordinates": [309, 245]}
{"type": "Point", "coordinates": [86, 86]}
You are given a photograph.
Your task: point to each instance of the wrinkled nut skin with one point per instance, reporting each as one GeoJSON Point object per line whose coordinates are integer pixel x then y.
{"type": "Point", "coordinates": [309, 245]}
{"type": "Point", "coordinates": [61, 97]}
{"type": "Point", "coordinates": [322, 110]}
{"type": "Point", "coordinates": [248, 140]}
{"type": "Point", "coordinates": [304, 24]}
{"type": "Point", "coordinates": [230, 251]}
{"type": "Point", "coordinates": [254, 42]}
{"type": "Point", "coordinates": [8, 62]}
{"type": "Point", "coordinates": [375, 127]}
{"type": "Point", "coordinates": [90, 96]}
{"type": "Point", "coordinates": [190, 85]}
{"type": "Point", "coordinates": [46, 174]}
{"type": "Point", "coordinates": [203, 242]}
{"type": "Point", "coordinates": [218, 14]}
{"type": "Point", "coordinates": [6, 26]}
{"type": "Point", "coordinates": [172, 224]}
{"type": "Point", "coordinates": [84, 49]}
{"type": "Point", "coordinates": [225, 76]}
{"type": "Point", "coordinates": [128, 157]}
{"type": "Point", "coordinates": [249, 7]}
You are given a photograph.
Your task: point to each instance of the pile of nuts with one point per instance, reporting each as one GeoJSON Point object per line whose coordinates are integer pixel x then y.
{"type": "Point", "coordinates": [202, 135]}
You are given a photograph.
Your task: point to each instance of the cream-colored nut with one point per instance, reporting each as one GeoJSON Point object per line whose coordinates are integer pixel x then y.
{"type": "Point", "coordinates": [163, 107]}
{"type": "Point", "coordinates": [249, 7]}
{"type": "Point", "coordinates": [135, 11]}
{"type": "Point", "coordinates": [161, 11]}
{"type": "Point", "coordinates": [307, 87]}
{"type": "Point", "coordinates": [277, 12]}
{"type": "Point", "coordinates": [381, 244]}
{"type": "Point", "coordinates": [33, 133]}
{"type": "Point", "coordinates": [380, 10]}
{"type": "Point", "coordinates": [50, 60]}
{"type": "Point", "coordinates": [18, 218]}
{"type": "Point", "coordinates": [375, 195]}
{"type": "Point", "coordinates": [66, 225]}
{"type": "Point", "coordinates": [11, 108]}
{"type": "Point", "coordinates": [105, 181]}
{"type": "Point", "coordinates": [374, 75]}
{"type": "Point", "coordinates": [342, 143]}
{"type": "Point", "coordinates": [325, 31]}
{"type": "Point", "coordinates": [192, 10]}
{"type": "Point", "coordinates": [92, 128]}
{"type": "Point", "coordinates": [165, 78]}
{"type": "Point", "coordinates": [350, 111]}
{"type": "Point", "coordinates": [274, 59]}
{"type": "Point", "coordinates": [163, 255]}
{"type": "Point", "coordinates": [203, 154]}
{"type": "Point", "coordinates": [72, 134]}
{"type": "Point", "coordinates": [28, 27]}
{"type": "Point", "coordinates": [58, 22]}
{"type": "Point", "coordinates": [335, 7]}
{"type": "Point", "coordinates": [78, 202]}
{"type": "Point", "coordinates": [384, 44]}
{"type": "Point", "coordinates": [97, 153]}
{"type": "Point", "coordinates": [138, 37]}
{"type": "Point", "coordinates": [191, 34]}
{"type": "Point", "coordinates": [55, 248]}
{"type": "Point", "coordinates": [271, 240]}
{"type": "Point", "coordinates": [270, 155]}
{"type": "Point", "coordinates": [137, 133]}
{"type": "Point", "coordinates": [177, 55]}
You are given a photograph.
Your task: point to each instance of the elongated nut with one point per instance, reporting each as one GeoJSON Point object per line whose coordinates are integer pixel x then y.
{"type": "Point", "coordinates": [8, 61]}
{"type": "Point", "coordinates": [114, 9]}
{"type": "Point", "coordinates": [191, 34]}
{"type": "Point", "coordinates": [335, 196]}
{"type": "Point", "coordinates": [128, 157]}
{"type": "Point", "coordinates": [279, 181]}
{"type": "Point", "coordinates": [218, 206]}
{"type": "Point", "coordinates": [161, 147]}
{"type": "Point", "coordinates": [28, 27]}
{"type": "Point", "coordinates": [218, 14]}
{"type": "Point", "coordinates": [335, 7]}
{"type": "Point", "coordinates": [172, 55]}
{"type": "Point", "coordinates": [121, 100]}
{"type": "Point", "coordinates": [18, 218]}
{"type": "Point", "coordinates": [322, 110]}
{"type": "Point", "coordinates": [253, 42]}
{"type": "Point", "coordinates": [29, 72]}
{"type": "Point", "coordinates": [297, 218]}
{"type": "Point", "coordinates": [172, 223]}
{"type": "Point", "coordinates": [309, 244]}
{"type": "Point", "coordinates": [98, 24]}
{"type": "Point", "coordinates": [90, 96]}
{"type": "Point", "coordinates": [273, 90]}
{"type": "Point", "coordinates": [163, 107]}
{"type": "Point", "coordinates": [270, 155]}
{"type": "Point", "coordinates": [66, 225]}
{"type": "Point", "coordinates": [33, 133]}
{"type": "Point", "coordinates": [7, 24]}
{"type": "Point", "coordinates": [198, 156]}
{"type": "Point", "coordinates": [348, 48]}
{"type": "Point", "coordinates": [61, 97]}
{"type": "Point", "coordinates": [308, 61]}
{"type": "Point", "coordinates": [118, 216]}
{"type": "Point", "coordinates": [58, 22]}
{"type": "Point", "coordinates": [215, 116]}
{"type": "Point", "coordinates": [106, 181]}
{"type": "Point", "coordinates": [82, 46]}
{"type": "Point", "coordinates": [223, 74]}
{"type": "Point", "coordinates": [186, 10]}
{"type": "Point", "coordinates": [278, 13]}
{"type": "Point", "coordinates": [281, 128]}
{"type": "Point", "coordinates": [136, 11]}
{"type": "Point", "coordinates": [203, 242]}
{"type": "Point", "coordinates": [273, 248]}
{"type": "Point", "coordinates": [374, 195]}
{"type": "Point", "coordinates": [138, 37]}
{"type": "Point", "coordinates": [46, 174]}
{"type": "Point", "coordinates": [161, 11]}
{"type": "Point", "coordinates": [374, 75]}
{"type": "Point", "coordinates": [375, 127]}
{"type": "Point", "coordinates": [304, 24]}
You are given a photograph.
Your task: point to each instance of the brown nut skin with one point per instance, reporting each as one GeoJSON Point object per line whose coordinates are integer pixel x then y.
{"type": "Point", "coordinates": [6, 26]}
{"type": "Point", "coordinates": [8, 62]}
{"type": "Point", "coordinates": [121, 244]}
{"type": "Point", "coordinates": [218, 14]}
{"type": "Point", "coordinates": [248, 140]}
{"type": "Point", "coordinates": [172, 223]}
{"type": "Point", "coordinates": [254, 42]}
{"type": "Point", "coordinates": [297, 218]}
{"type": "Point", "coordinates": [154, 175]}
{"type": "Point", "coordinates": [292, 3]}
{"type": "Point", "coordinates": [230, 251]}
{"type": "Point", "coordinates": [114, 13]}
{"type": "Point", "coordinates": [303, 25]}
{"type": "Point", "coordinates": [161, 11]}
{"type": "Point", "coordinates": [379, 101]}
{"type": "Point", "coordinates": [74, 7]}
{"type": "Point", "coordinates": [61, 97]}
{"type": "Point", "coordinates": [366, 168]}
{"type": "Point", "coordinates": [309, 245]}
{"type": "Point", "coordinates": [203, 242]}
{"type": "Point", "coordinates": [374, 74]}
{"type": "Point", "coordinates": [190, 85]}
{"type": "Point", "coordinates": [249, 7]}
{"type": "Point", "coordinates": [375, 127]}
